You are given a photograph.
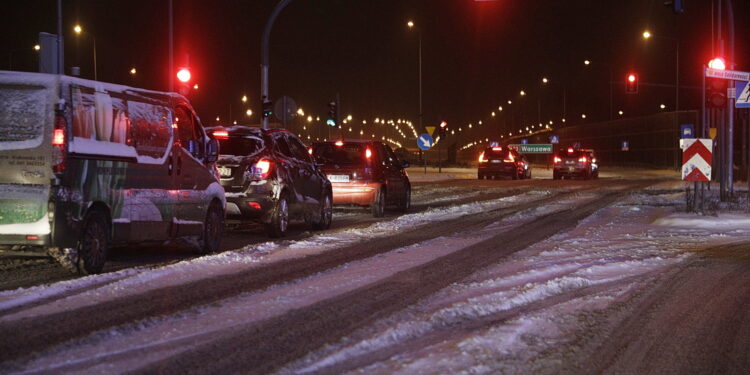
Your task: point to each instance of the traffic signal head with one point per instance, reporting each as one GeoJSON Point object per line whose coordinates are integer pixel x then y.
{"type": "Point", "coordinates": [716, 92]}
{"type": "Point", "coordinates": [333, 114]}
{"type": "Point", "coordinates": [631, 83]}
{"type": "Point", "coordinates": [443, 129]}
{"type": "Point", "coordinates": [267, 108]}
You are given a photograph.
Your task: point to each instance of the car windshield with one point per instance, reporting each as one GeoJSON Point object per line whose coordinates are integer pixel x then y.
{"type": "Point", "coordinates": [240, 145]}
{"type": "Point", "coordinates": [347, 154]}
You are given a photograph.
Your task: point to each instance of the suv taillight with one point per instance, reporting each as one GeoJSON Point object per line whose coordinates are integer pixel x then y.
{"type": "Point", "coordinates": [261, 170]}
{"type": "Point", "coordinates": [583, 159]}
{"type": "Point", "coordinates": [59, 143]}
{"type": "Point", "coordinates": [482, 159]}
{"type": "Point", "coordinates": [509, 158]}
{"type": "Point", "coordinates": [557, 159]}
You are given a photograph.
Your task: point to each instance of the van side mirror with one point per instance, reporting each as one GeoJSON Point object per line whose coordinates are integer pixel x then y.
{"type": "Point", "coordinates": [212, 151]}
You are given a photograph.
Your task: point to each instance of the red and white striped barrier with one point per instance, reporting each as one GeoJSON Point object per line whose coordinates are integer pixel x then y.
{"type": "Point", "coordinates": [696, 159]}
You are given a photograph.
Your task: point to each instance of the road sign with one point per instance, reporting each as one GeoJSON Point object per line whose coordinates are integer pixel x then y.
{"type": "Point", "coordinates": [430, 130]}
{"type": "Point", "coordinates": [494, 144]}
{"type": "Point", "coordinates": [554, 140]}
{"type": "Point", "coordinates": [625, 146]}
{"type": "Point", "coordinates": [712, 133]}
{"type": "Point", "coordinates": [424, 141]}
{"type": "Point", "coordinates": [696, 159]}
{"type": "Point", "coordinates": [285, 109]}
{"type": "Point", "coordinates": [743, 95]}
{"type": "Point", "coordinates": [539, 148]}
{"type": "Point", "coordinates": [524, 141]}
{"type": "Point", "coordinates": [728, 74]}
{"type": "Point", "coordinates": [687, 131]}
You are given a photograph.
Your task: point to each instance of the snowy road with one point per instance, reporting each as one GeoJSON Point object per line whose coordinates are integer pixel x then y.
{"type": "Point", "coordinates": [534, 276]}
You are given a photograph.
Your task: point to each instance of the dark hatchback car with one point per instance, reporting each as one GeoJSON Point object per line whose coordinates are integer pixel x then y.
{"type": "Point", "coordinates": [571, 162]}
{"type": "Point", "coordinates": [364, 173]}
{"type": "Point", "coordinates": [502, 161]}
{"type": "Point", "coordinates": [270, 178]}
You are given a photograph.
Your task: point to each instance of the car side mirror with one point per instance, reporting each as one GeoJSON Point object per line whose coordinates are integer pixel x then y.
{"type": "Point", "coordinates": [212, 151]}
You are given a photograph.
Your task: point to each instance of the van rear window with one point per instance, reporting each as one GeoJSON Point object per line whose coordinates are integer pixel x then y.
{"type": "Point", "coordinates": [22, 116]}
{"type": "Point", "coordinates": [347, 154]}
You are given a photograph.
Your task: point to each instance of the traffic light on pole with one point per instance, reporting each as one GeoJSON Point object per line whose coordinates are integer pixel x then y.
{"type": "Point", "coordinates": [184, 76]}
{"type": "Point", "coordinates": [267, 108]}
{"type": "Point", "coordinates": [443, 129]}
{"type": "Point", "coordinates": [631, 83]}
{"type": "Point", "coordinates": [716, 88]}
{"type": "Point", "coordinates": [333, 114]}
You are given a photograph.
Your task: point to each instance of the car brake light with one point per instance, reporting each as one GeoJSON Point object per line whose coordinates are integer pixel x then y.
{"type": "Point", "coordinates": [59, 142]}
{"type": "Point", "coordinates": [262, 169]}
{"type": "Point", "coordinates": [309, 150]}
{"type": "Point", "coordinates": [497, 149]}
{"type": "Point", "coordinates": [570, 150]}
{"type": "Point", "coordinates": [557, 159]}
{"type": "Point", "coordinates": [583, 159]}
{"type": "Point", "coordinates": [482, 159]}
{"type": "Point", "coordinates": [254, 205]}
{"type": "Point", "coordinates": [339, 143]}
{"type": "Point", "coordinates": [593, 160]}
{"type": "Point", "coordinates": [221, 134]}
{"type": "Point", "coordinates": [32, 237]}
{"type": "Point", "coordinates": [368, 153]}
{"type": "Point", "coordinates": [509, 158]}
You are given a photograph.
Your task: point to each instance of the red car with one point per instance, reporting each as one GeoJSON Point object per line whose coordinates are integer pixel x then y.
{"type": "Point", "coordinates": [364, 173]}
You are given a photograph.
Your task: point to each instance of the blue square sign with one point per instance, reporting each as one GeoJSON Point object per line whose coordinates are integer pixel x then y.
{"type": "Point", "coordinates": [687, 131]}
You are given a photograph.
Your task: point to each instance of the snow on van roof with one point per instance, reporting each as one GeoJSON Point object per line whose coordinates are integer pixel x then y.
{"type": "Point", "coordinates": [50, 80]}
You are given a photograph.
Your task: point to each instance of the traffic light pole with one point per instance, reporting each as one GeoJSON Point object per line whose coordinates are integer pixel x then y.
{"type": "Point", "coordinates": [265, 59]}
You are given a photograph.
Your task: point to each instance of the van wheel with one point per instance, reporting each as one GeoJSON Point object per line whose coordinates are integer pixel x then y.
{"type": "Point", "coordinates": [213, 229]}
{"type": "Point", "coordinates": [94, 243]}
{"type": "Point", "coordinates": [378, 205]}
{"type": "Point", "coordinates": [405, 204]}
{"type": "Point", "coordinates": [325, 213]}
{"type": "Point", "coordinates": [279, 218]}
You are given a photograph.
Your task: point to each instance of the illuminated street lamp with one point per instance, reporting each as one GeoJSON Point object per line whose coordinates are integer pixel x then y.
{"type": "Point", "coordinates": [646, 36]}
{"type": "Point", "coordinates": [132, 71]}
{"type": "Point", "coordinates": [411, 25]}
{"type": "Point", "coordinates": [37, 47]}
{"type": "Point", "coordinates": [545, 80]}
{"type": "Point", "coordinates": [79, 30]}
{"type": "Point", "coordinates": [249, 112]}
{"type": "Point", "coordinates": [244, 98]}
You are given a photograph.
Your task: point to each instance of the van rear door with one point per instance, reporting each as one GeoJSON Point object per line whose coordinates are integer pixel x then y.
{"type": "Point", "coordinates": [27, 117]}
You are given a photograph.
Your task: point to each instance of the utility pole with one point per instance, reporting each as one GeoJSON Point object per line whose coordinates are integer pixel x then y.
{"type": "Point", "coordinates": [265, 60]}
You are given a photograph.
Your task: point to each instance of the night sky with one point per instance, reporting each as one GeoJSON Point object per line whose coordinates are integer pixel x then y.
{"type": "Point", "coordinates": [476, 55]}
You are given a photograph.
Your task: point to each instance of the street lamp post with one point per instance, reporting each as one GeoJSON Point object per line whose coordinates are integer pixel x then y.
{"type": "Point", "coordinates": [419, 36]}
{"type": "Point", "coordinates": [647, 35]}
{"type": "Point", "coordinates": [611, 82]}
{"type": "Point", "coordinates": [78, 29]}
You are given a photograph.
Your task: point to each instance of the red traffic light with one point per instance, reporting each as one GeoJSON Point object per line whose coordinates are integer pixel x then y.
{"type": "Point", "coordinates": [631, 83]}
{"type": "Point", "coordinates": [717, 63]}
{"type": "Point", "coordinates": [184, 75]}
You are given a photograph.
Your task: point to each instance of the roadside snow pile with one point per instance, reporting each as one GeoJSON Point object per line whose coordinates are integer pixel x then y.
{"type": "Point", "coordinates": [523, 315]}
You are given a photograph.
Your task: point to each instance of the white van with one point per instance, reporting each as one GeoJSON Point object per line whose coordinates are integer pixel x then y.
{"type": "Point", "coordinates": [87, 165]}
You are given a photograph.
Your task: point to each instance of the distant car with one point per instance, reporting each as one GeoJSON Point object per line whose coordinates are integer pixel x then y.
{"type": "Point", "coordinates": [270, 178]}
{"type": "Point", "coordinates": [364, 173]}
{"type": "Point", "coordinates": [502, 161]}
{"type": "Point", "coordinates": [594, 163]}
{"type": "Point", "coordinates": [571, 162]}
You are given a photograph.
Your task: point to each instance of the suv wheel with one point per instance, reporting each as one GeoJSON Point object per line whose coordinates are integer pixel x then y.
{"type": "Point", "coordinates": [378, 205]}
{"type": "Point", "coordinates": [405, 204]}
{"type": "Point", "coordinates": [323, 219]}
{"type": "Point", "coordinates": [279, 218]}
{"type": "Point", "coordinates": [94, 243]}
{"type": "Point", "coordinates": [213, 229]}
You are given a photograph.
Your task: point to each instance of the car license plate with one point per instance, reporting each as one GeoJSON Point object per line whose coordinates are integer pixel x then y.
{"type": "Point", "coordinates": [497, 161]}
{"type": "Point", "coordinates": [570, 162]}
{"type": "Point", "coordinates": [225, 172]}
{"type": "Point", "coordinates": [338, 178]}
